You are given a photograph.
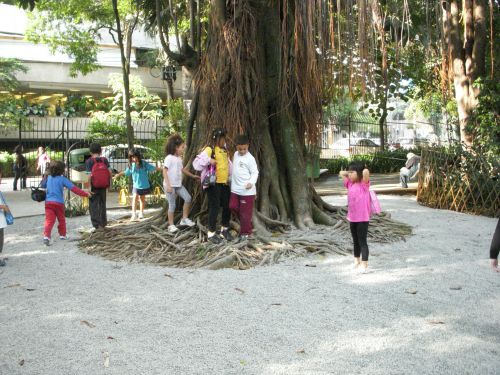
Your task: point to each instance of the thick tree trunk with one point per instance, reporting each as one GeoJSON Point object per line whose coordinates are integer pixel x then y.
{"type": "Point", "coordinates": [248, 84]}
{"type": "Point", "coordinates": [467, 56]}
{"type": "Point", "coordinates": [479, 48]}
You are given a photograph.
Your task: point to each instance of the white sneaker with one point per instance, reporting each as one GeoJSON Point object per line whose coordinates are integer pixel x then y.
{"type": "Point", "coordinates": [133, 217]}
{"type": "Point", "coordinates": [63, 238]}
{"type": "Point", "coordinates": [172, 229]}
{"type": "Point", "coordinates": [141, 216]}
{"type": "Point", "coordinates": [187, 222]}
{"type": "Point", "coordinates": [362, 269]}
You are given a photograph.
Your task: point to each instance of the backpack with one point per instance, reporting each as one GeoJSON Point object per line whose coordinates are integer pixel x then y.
{"type": "Point", "coordinates": [100, 176]}
{"type": "Point", "coordinates": [37, 194]}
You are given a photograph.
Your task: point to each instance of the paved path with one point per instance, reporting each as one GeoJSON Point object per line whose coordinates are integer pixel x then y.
{"type": "Point", "coordinates": [22, 205]}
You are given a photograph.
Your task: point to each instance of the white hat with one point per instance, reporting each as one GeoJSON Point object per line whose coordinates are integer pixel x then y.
{"type": "Point", "coordinates": [410, 155]}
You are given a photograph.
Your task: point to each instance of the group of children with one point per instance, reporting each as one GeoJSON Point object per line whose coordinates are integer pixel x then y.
{"type": "Point", "coordinates": [237, 194]}
{"type": "Point", "coordinates": [230, 185]}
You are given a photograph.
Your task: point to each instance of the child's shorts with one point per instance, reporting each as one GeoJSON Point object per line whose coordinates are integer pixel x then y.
{"type": "Point", "coordinates": [141, 191]}
{"type": "Point", "coordinates": [178, 191]}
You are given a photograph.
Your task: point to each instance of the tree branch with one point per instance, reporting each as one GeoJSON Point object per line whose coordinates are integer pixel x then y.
{"type": "Point", "coordinates": [164, 43]}
{"type": "Point", "coordinates": [110, 30]}
{"type": "Point", "coordinates": [176, 26]}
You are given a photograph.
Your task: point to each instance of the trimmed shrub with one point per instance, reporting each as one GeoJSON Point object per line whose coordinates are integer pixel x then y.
{"type": "Point", "coordinates": [380, 162]}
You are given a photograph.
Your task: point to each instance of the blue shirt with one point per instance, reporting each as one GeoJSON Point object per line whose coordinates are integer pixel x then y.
{"type": "Point", "coordinates": [140, 175]}
{"type": "Point", "coordinates": [55, 188]}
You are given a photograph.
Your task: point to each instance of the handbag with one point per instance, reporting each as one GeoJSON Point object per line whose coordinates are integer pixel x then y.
{"type": "Point", "coordinates": [374, 204]}
{"type": "Point", "coordinates": [37, 194]}
{"type": "Point", "coordinates": [9, 219]}
{"type": "Point", "coordinates": [210, 178]}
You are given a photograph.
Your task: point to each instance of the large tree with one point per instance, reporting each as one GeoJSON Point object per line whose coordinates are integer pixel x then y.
{"type": "Point", "coordinates": [260, 73]}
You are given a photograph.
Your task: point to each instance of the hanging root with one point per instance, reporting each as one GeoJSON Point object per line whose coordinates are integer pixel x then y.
{"type": "Point", "coordinates": [150, 242]}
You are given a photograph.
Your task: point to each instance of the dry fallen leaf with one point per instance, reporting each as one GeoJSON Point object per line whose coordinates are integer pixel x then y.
{"type": "Point", "coordinates": [12, 285]}
{"type": "Point", "coordinates": [275, 304]}
{"type": "Point", "coordinates": [240, 290]}
{"type": "Point", "coordinates": [167, 275]}
{"type": "Point", "coordinates": [106, 359]}
{"type": "Point", "coordinates": [21, 362]}
{"type": "Point", "coordinates": [110, 338]}
{"type": "Point", "coordinates": [30, 290]}
{"type": "Point", "coordinates": [310, 265]}
{"type": "Point", "coordinates": [301, 351]}
{"type": "Point", "coordinates": [411, 291]}
{"type": "Point", "coordinates": [436, 322]}
{"type": "Point", "coordinates": [455, 288]}
{"type": "Point", "coordinates": [90, 325]}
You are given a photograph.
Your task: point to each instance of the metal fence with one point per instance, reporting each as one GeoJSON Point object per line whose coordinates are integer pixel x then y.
{"type": "Point", "coordinates": [349, 135]}
{"type": "Point", "coordinates": [360, 135]}
{"type": "Point", "coordinates": [60, 136]}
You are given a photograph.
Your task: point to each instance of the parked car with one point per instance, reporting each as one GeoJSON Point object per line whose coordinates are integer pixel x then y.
{"type": "Point", "coordinates": [393, 146]}
{"type": "Point", "coordinates": [412, 143]}
{"type": "Point", "coordinates": [356, 146]}
{"type": "Point", "coordinates": [117, 156]}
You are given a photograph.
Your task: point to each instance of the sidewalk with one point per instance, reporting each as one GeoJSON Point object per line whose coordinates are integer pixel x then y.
{"type": "Point", "coordinates": [21, 204]}
{"type": "Point", "coordinates": [380, 183]}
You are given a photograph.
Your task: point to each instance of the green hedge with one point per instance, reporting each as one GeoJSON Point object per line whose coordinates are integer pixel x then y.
{"type": "Point", "coordinates": [380, 162]}
{"type": "Point", "coordinates": [7, 160]}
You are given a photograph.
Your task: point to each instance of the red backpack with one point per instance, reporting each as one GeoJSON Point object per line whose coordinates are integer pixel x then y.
{"type": "Point", "coordinates": [100, 175]}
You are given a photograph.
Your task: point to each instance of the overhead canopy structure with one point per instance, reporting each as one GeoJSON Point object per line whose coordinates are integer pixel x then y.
{"type": "Point", "coordinates": [50, 71]}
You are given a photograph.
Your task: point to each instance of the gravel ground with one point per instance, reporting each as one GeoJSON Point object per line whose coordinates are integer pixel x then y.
{"type": "Point", "coordinates": [430, 306]}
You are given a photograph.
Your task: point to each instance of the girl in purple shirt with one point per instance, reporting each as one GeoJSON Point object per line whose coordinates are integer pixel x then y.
{"type": "Point", "coordinates": [357, 182]}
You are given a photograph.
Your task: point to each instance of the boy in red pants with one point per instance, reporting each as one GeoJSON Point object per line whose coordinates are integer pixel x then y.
{"type": "Point", "coordinates": [54, 201]}
{"type": "Point", "coordinates": [243, 190]}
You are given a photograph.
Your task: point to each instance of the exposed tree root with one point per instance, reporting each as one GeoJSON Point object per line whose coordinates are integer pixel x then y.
{"type": "Point", "coordinates": [149, 242]}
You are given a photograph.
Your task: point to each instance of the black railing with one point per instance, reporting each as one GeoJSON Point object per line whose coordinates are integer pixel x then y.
{"type": "Point", "coordinates": [63, 136]}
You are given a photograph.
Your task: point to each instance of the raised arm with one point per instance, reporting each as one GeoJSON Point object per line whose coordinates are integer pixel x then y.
{"type": "Point", "coordinates": [343, 175]}
{"type": "Point", "coordinates": [118, 175]}
{"type": "Point", "coordinates": [75, 189]}
{"type": "Point", "coordinates": [366, 175]}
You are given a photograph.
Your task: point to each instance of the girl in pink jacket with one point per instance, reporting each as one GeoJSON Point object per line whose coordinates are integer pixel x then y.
{"type": "Point", "coordinates": [357, 182]}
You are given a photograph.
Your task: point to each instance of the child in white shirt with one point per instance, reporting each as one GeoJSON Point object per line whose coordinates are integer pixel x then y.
{"type": "Point", "coordinates": [172, 181]}
{"type": "Point", "coordinates": [243, 189]}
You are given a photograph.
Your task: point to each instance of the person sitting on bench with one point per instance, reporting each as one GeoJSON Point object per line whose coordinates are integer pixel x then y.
{"type": "Point", "coordinates": [410, 169]}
